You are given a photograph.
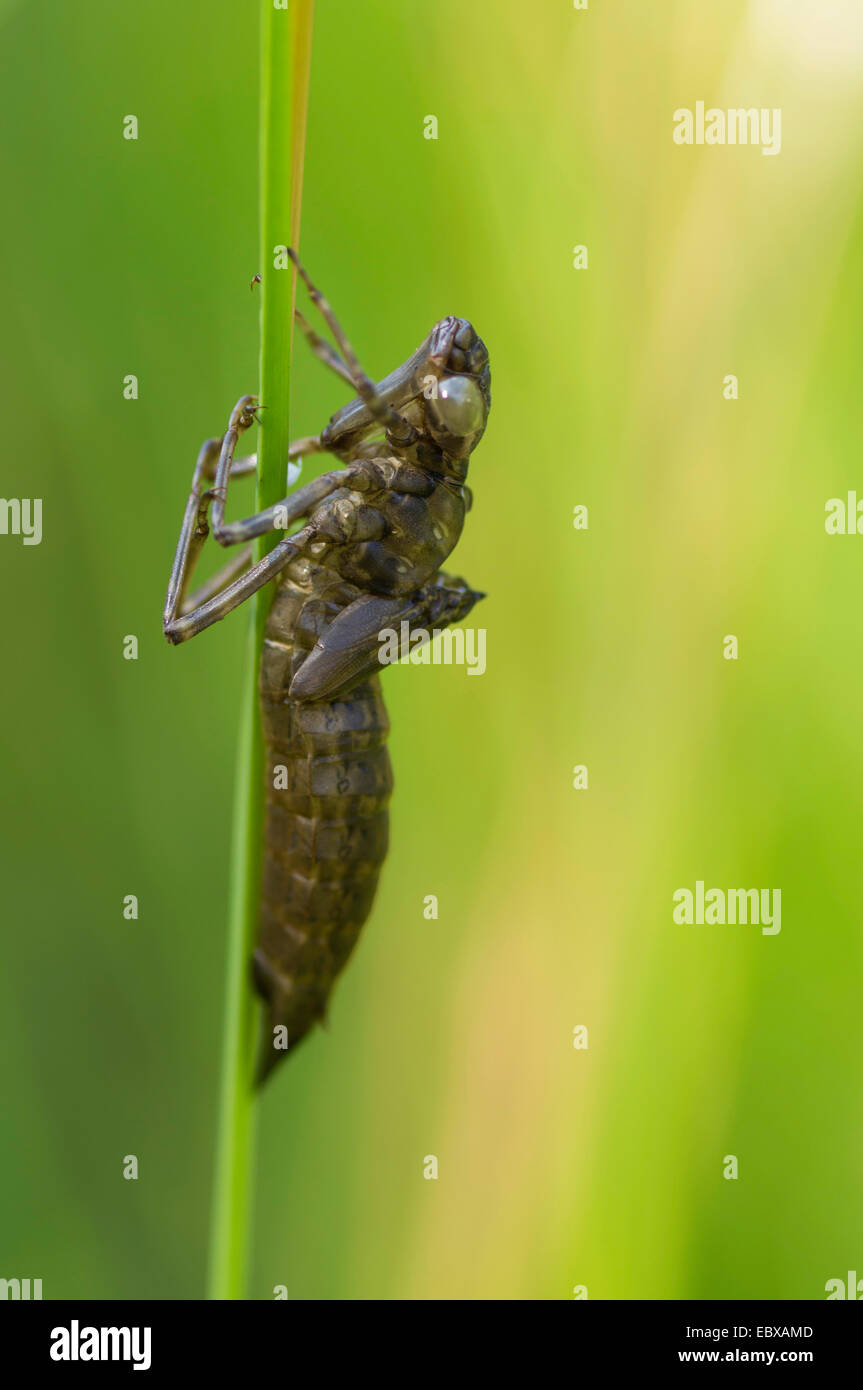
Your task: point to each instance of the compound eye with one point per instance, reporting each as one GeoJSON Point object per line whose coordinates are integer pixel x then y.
{"type": "Point", "coordinates": [458, 408]}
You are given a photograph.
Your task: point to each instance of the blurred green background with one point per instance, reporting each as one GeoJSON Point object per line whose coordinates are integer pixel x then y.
{"type": "Point", "coordinates": [451, 1037]}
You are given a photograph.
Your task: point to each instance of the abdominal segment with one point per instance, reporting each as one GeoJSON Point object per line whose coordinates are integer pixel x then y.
{"type": "Point", "coordinates": [328, 783]}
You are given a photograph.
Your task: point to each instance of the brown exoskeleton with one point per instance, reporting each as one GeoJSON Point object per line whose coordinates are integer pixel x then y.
{"type": "Point", "coordinates": [367, 558]}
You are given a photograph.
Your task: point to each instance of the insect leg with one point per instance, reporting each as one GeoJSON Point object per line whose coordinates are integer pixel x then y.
{"type": "Point", "coordinates": [397, 427]}
{"type": "Point", "coordinates": [245, 467]}
{"type": "Point", "coordinates": [240, 419]}
{"type": "Point", "coordinates": [238, 564]}
{"type": "Point", "coordinates": [364, 474]}
{"type": "Point", "coordinates": [195, 527]}
{"type": "Point", "coordinates": [193, 532]}
{"type": "Point", "coordinates": [226, 468]}
{"type": "Point", "coordinates": [322, 349]}
{"type": "Point", "coordinates": [180, 629]}
{"type": "Point", "coordinates": [240, 468]}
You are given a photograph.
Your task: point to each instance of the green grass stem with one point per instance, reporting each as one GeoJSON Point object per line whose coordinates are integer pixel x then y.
{"type": "Point", "coordinates": [286, 41]}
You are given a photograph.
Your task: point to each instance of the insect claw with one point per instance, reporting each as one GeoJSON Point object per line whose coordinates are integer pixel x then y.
{"type": "Point", "coordinates": [256, 280]}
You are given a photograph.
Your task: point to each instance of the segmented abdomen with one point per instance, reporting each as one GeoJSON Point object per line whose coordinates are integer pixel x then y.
{"type": "Point", "coordinates": [328, 780]}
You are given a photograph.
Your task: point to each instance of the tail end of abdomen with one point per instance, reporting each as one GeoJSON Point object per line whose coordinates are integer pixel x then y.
{"type": "Point", "coordinates": [287, 1016]}
{"type": "Point", "coordinates": [310, 924]}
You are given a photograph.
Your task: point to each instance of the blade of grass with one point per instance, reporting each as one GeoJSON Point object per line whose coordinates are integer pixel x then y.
{"type": "Point", "coordinates": [286, 44]}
